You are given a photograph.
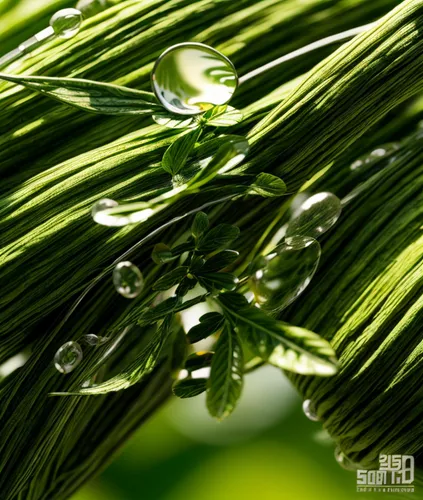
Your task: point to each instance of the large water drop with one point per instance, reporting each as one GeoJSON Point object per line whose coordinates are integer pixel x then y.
{"type": "Point", "coordinates": [190, 78]}
{"type": "Point", "coordinates": [315, 216]}
{"type": "Point", "coordinates": [128, 279]}
{"type": "Point", "coordinates": [286, 273]}
{"type": "Point", "coordinates": [66, 23]}
{"type": "Point", "coordinates": [68, 357]}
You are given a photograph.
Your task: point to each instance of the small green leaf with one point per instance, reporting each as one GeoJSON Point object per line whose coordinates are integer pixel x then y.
{"type": "Point", "coordinates": [198, 360]}
{"type": "Point", "coordinates": [288, 347]}
{"type": "Point", "coordinates": [178, 152]}
{"type": "Point", "coordinates": [200, 225]}
{"type": "Point", "coordinates": [162, 254]}
{"type": "Point", "coordinates": [182, 248]}
{"type": "Point", "coordinates": [210, 323]}
{"type": "Point", "coordinates": [233, 300]}
{"type": "Point", "coordinates": [230, 154]}
{"type": "Point", "coordinates": [171, 278]}
{"type": "Point", "coordinates": [217, 238]}
{"type": "Point", "coordinates": [189, 388]}
{"type": "Point", "coordinates": [220, 261]}
{"type": "Point", "coordinates": [170, 120]}
{"type": "Point", "coordinates": [185, 286]}
{"type": "Point", "coordinates": [88, 95]}
{"type": "Point", "coordinates": [268, 186]}
{"type": "Point", "coordinates": [218, 281]}
{"type": "Point", "coordinates": [179, 350]}
{"type": "Point", "coordinates": [222, 116]}
{"type": "Point", "coordinates": [226, 376]}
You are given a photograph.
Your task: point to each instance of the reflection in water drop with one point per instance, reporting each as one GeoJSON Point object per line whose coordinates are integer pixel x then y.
{"type": "Point", "coordinates": [287, 272]}
{"type": "Point", "coordinates": [94, 340]}
{"type": "Point", "coordinates": [310, 410]}
{"type": "Point", "coordinates": [189, 78]}
{"type": "Point", "coordinates": [343, 460]}
{"type": "Point", "coordinates": [315, 216]}
{"type": "Point", "coordinates": [128, 279]}
{"type": "Point", "coordinates": [66, 22]}
{"type": "Point", "coordinates": [102, 205]}
{"type": "Point", "coordinates": [68, 357]}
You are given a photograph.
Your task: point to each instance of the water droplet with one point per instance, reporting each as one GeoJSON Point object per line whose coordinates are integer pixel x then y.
{"type": "Point", "coordinates": [101, 205]}
{"type": "Point", "coordinates": [128, 279]}
{"type": "Point", "coordinates": [94, 340]}
{"type": "Point", "coordinates": [66, 22]}
{"type": "Point", "coordinates": [375, 156]}
{"type": "Point", "coordinates": [286, 273]}
{"type": "Point", "coordinates": [189, 78]}
{"type": "Point", "coordinates": [310, 410]}
{"type": "Point", "coordinates": [315, 216]}
{"type": "Point", "coordinates": [343, 460]}
{"type": "Point", "coordinates": [68, 357]}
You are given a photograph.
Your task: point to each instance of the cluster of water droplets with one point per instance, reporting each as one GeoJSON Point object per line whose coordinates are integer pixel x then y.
{"type": "Point", "coordinates": [286, 272]}
{"type": "Point", "coordinates": [70, 354]}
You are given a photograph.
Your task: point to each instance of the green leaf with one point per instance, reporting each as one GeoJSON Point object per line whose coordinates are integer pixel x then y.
{"type": "Point", "coordinates": [222, 116]}
{"type": "Point", "coordinates": [198, 360]}
{"type": "Point", "coordinates": [200, 225]}
{"type": "Point", "coordinates": [230, 154]}
{"type": "Point", "coordinates": [220, 261]}
{"type": "Point", "coordinates": [268, 186]}
{"type": "Point", "coordinates": [210, 323]}
{"type": "Point", "coordinates": [233, 300]}
{"type": "Point", "coordinates": [218, 281]}
{"type": "Point", "coordinates": [226, 376]}
{"type": "Point", "coordinates": [312, 356]}
{"type": "Point", "coordinates": [189, 388]}
{"type": "Point", "coordinates": [171, 278]}
{"type": "Point", "coordinates": [178, 152]}
{"type": "Point", "coordinates": [185, 286]}
{"type": "Point", "coordinates": [217, 238]}
{"type": "Point", "coordinates": [179, 350]}
{"type": "Point", "coordinates": [170, 120]}
{"type": "Point", "coordinates": [162, 254]}
{"type": "Point", "coordinates": [288, 347]}
{"type": "Point", "coordinates": [143, 365]}
{"type": "Point", "coordinates": [88, 95]}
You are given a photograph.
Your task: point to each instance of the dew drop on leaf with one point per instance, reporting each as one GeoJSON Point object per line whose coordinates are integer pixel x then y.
{"type": "Point", "coordinates": [128, 279]}
{"type": "Point", "coordinates": [190, 78]}
{"type": "Point", "coordinates": [102, 205]}
{"type": "Point", "coordinates": [66, 23]}
{"type": "Point", "coordinates": [310, 410]}
{"type": "Point", "coordinates": [343, 460]}
{"type": "Point", "coordinates": [68, 357]}
{"type": "Point", "coordinates": [94, 340]}
{"type": "Point", "coordinates": [315, 215]}
{"type": "Point", "coordinates": [286, 272]}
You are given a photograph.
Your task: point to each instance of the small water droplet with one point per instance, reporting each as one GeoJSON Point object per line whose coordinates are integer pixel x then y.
{"type": "Point", "coordinates": [343, 460]}
{"type": "Point", "coordinates": [375, 156]}
{"type": "Point", "coordinates": [128, 279]}
{"type": "Point", "coordinates": [190, 78]}
{"type": "Point", "coordinates": [315, 216]}
{"type": "Point", "coordinates": [68, 357]}
{"type": "Point", "coordinates": [66, 23]}
{"type": "Point", "coordinates": [310, 410]}
{"type": "Point", "coordinates": [287, 272]}
{"type": "Point", "coordinates": [94, 340]}
{"type": "Point", "coordinates": [101, 205]}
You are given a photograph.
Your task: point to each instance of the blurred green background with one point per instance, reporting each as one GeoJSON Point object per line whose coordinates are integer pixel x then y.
{"type": "Point", "coordinates": [266, 450]}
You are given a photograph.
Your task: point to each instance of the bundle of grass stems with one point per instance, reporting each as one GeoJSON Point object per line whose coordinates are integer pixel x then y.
{"type": "Point", "coordinates": [307, 122]}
